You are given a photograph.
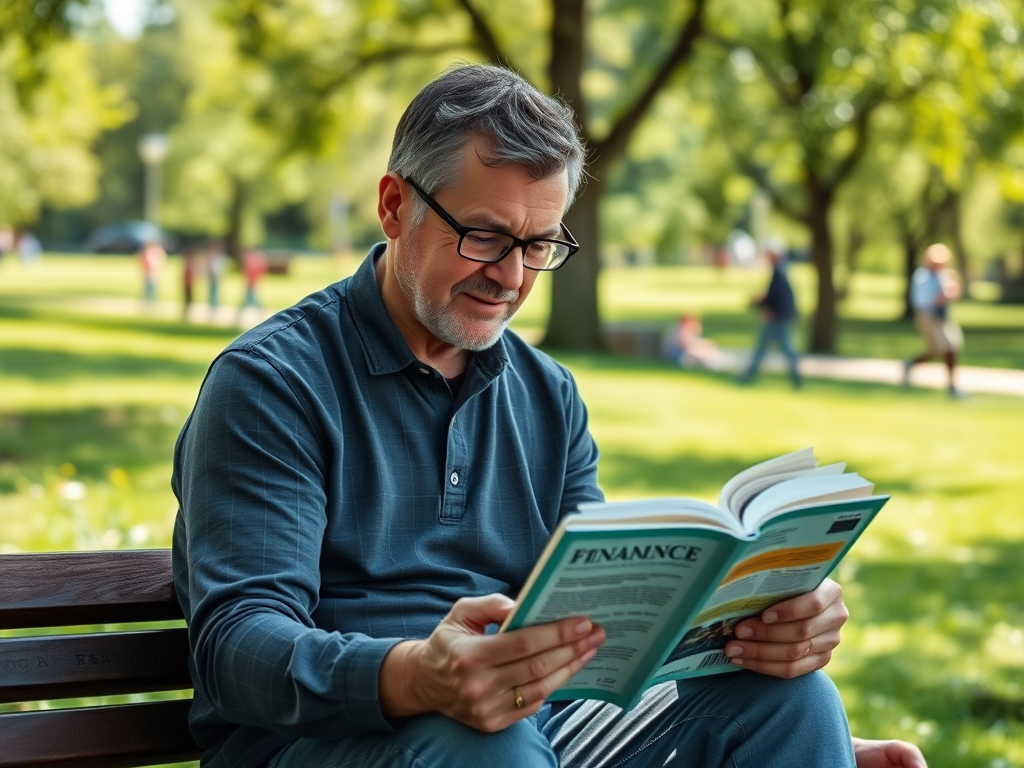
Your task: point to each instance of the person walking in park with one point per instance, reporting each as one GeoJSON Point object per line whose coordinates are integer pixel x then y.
{"type": "Point", "coordinates": [254, 267]}
{"type": "Point", "coordinates": [778, 313]}
{"type": "Point", "coordinates": [28, 247]}
{"type": "Point", "coordinates": [933, 287]}
{"type": "Point", "coordinates": [151, 259]}
{"type": "Point", "coordinates": [368, 477]}
{"type": "Point", "coordinates": [215, 260]}
{"type": "Point", "coordinates": [190, 266]}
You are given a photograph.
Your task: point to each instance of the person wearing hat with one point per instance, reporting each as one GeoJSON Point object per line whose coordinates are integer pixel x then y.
{"type": "Point", "coordinates": [932, 288]}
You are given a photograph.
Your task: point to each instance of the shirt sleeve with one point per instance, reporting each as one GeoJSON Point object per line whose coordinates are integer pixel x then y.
{"type": "Point", "coordinates": [581, 482]}
{"type": "Point", "coordinates": [924, 289]}
{"type": "Point", "coordinates": [250, 477]}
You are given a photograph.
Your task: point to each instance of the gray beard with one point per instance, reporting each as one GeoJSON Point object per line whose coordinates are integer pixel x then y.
{"type": "Point", "coordinates": [445, 324]}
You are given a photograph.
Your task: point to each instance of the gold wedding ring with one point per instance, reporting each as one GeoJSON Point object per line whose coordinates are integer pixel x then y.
{"type": "Point", "coordinates": [519, 697]}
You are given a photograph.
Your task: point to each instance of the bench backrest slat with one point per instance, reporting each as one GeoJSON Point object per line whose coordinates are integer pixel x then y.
{"type": "Point", "coordinates": [88, 590]}
{"type": "Point", "coordinates": [107, 588]}
{"type": "Point", "coordinates": [65, 666]}
{"type": "Point", "coordinates": [111, 737]}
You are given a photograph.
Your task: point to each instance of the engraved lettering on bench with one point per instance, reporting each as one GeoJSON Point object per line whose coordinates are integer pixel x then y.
{"type": "Point", "coordinates": [13, 665]}
{"type": "Point", "coordinates": [135, 656]}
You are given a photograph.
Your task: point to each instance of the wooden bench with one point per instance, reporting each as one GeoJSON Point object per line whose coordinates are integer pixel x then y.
{"type": "Point", "coordinates": [73, 591]}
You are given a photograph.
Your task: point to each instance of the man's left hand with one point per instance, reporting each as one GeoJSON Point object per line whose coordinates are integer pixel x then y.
{"type": "Point", "coordinates": [793, 637]}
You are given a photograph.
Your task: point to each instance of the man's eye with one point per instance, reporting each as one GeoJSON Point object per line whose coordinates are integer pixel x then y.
{"type": "Point", "coordinates": [481, 238]}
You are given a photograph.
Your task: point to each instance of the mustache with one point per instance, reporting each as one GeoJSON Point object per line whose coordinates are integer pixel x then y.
{"type": "Point", "coordinates": [481, 286]}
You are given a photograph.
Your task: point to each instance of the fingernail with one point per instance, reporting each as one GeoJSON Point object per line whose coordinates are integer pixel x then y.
{"type": "Point", "coordinates": [744, 632]}
{"type": "Point", "coordinates": [733, 650]}
{"type": "Point", "coordinates": [583, 628]}
{"type": "Point", "coordinates": [770, 617]}
{"type": "Point", "coordinates": [737, 662]}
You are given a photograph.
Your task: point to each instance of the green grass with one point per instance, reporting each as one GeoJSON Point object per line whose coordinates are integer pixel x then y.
{"type": "Point", "coordinates": [93, 393]}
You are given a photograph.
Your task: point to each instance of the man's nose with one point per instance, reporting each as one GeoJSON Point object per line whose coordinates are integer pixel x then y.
{"type": "Point", "coordinates": [508, 272]}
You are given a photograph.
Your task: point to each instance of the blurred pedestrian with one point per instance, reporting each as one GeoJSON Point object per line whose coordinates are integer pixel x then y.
{"type": "Point", "coordinates": [29, 248]}
{"type": "Point", "coordinates": [686, 346]}
{"type": "Point", "coordinates": [190, 265]}
{"type": "Point", "coordinates": [778, 313]}
{"type": "Point", "coordinates": [215, 261]}
{"type": "Point", "coordinates": [933, 287]}
{"type": "Point", "coordinates": [151, 258]}
{"type": "Point", "coordinates": [254, 266]}
{"type": "Point", "coordinates": [6, 239]}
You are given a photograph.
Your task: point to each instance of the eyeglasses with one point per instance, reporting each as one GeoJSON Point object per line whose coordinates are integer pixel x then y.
{"type": "Point", "coordinates": [489, 245]}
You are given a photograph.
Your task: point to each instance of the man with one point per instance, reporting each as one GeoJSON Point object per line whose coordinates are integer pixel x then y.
{"type": "Point", "coordinates": [368, 477]}
{"type": "Point", "coordinates": [931, 291]}
{"type": "Point", "coordinates": [778, 312]}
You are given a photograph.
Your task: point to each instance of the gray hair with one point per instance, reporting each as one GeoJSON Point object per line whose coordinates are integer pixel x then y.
{"type": "Point", "coordinates": [520, 125]}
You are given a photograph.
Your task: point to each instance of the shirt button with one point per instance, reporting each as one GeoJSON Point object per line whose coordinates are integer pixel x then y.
{"type": "Point", "coordinates": [454, 478]}
{"type": "Point", "coordinates": [424, 370]}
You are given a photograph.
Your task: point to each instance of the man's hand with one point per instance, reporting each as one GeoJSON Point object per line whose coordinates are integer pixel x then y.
{"type": "Point", "coordinates": [887, 754]}
{"type": "Point", "coordinates": [793, 637]}
{"type": "Point", "coordinates": [485, 681]}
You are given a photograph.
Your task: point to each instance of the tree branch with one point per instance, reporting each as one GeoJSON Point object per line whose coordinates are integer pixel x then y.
{"type": "Point", "coordinates": [389, 54]}
{"type": "Point", "coordinates": [780, 85]}
{"type": "Point", "coordinates": [614, 144]}
{"type": "Point", "coordinates": [484, 35]}
{"type": "Point", "coordinates": [760, 177]}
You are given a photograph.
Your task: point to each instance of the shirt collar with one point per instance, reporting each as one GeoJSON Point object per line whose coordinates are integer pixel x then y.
{"type": "Point", "coordinates": [383, 344]}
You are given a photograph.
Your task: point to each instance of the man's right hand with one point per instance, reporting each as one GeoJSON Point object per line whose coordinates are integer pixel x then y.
{"type": "Point", "coordinates": [475, 678]}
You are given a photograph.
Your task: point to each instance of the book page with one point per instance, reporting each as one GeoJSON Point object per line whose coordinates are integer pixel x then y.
{"type": "Point", "coordinates": [743, 495]}
{"type": "Point", "coordinates": [640, 585]}
{"type": "Point", "coordinates": [802, 491]}
{"type": "Point", "coordinates": [790, 462]}
{"type": "Point", "coordinates": [646, 511]}
{"type": "Point", "coordinates": [792, 555]}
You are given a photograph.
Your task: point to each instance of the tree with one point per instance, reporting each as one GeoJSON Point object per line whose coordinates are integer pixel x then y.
{"type": "Point", "coordinates": [52, 108]}
{"type": "Point", "coordinates": [266, 103]}
{"type": "Point", "coordinates": [807, 79]}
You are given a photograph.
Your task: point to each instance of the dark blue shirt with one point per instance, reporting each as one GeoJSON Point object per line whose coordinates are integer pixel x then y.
{"type": "Point", "coordinates": [335, 498]}
{"type": "Point", "coordinates": [779, 296]}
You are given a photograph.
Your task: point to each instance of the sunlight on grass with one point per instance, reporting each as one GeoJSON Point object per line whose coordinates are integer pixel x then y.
{"type": "Point", "coordinates": [94, 392]}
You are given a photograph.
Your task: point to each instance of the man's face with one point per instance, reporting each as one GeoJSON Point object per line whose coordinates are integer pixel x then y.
{"type": "Point", "coordinates": [467, 304]}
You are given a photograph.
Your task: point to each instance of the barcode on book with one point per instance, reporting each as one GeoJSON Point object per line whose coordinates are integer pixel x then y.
{"type": "Point", "coordinates": [714, 660]}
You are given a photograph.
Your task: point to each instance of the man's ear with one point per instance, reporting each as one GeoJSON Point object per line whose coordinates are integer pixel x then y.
{"type": "Point", "coordinates": [389, 204]}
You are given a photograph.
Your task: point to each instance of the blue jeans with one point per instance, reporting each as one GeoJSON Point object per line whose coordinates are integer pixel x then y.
{"type": "Point", "coordinates": [739, 720]}
{"type": "Point", "coordinates": [779, 331]}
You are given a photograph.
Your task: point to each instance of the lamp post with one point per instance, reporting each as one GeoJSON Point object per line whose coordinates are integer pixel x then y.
{"type": "Point", "coordinates": [153, 148]}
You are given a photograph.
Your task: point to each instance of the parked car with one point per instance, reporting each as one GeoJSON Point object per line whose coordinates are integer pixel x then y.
{"type": "Point", "coordinates": [126, 237]}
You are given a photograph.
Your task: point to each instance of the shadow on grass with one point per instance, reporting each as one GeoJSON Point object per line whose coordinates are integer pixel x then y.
{"type": "Point", "coordinates": [93, 440]}
{"type": "Point", "coordinates": [55, 365]}
{"type": "Point", "coordinates": [15, 309]}
{"type": "Point", "coordinates": [962, 604]}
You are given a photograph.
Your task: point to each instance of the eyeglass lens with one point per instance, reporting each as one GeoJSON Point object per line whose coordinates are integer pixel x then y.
{"type": "Point", "coordinates": [480, 245]}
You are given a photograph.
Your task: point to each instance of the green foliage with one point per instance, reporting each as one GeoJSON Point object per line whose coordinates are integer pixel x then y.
{"type": "Point", "coordinates": [52, 107]}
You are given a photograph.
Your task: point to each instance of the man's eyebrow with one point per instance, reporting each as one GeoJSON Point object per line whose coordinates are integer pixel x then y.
{"type": "Point", "coordinates": [551, 233]}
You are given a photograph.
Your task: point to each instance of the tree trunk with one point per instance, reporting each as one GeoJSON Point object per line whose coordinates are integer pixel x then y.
{"type": "Point", "coordinates": [575, 321]}
{"type": "Point", "coordinates": [233, 240]}
{"type": "Point", "coordinates": [952, 209]}
{"type": "Point", "coordinates": [824, 327]}
{"type": "Point", "coordinates": [909, 265]}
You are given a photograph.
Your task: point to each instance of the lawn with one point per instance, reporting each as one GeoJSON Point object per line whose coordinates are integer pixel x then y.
{"type": "Point", "coordinates": [93, 391]}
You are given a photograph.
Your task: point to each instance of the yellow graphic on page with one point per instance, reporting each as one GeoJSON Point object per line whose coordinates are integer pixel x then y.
{"type": "Point", "coordinates": [794, 557]}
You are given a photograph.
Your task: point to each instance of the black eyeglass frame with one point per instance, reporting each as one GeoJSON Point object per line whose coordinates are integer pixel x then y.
{"type": "Point", "coordinates": [462, 231]}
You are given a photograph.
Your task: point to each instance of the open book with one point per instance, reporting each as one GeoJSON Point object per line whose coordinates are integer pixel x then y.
{"type": "Point", "coordinates": [669, 579]}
